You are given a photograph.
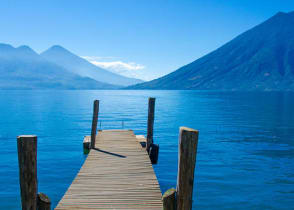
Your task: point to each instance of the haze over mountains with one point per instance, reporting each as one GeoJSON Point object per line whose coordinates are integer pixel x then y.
{"type": "Point", "coordinates": [56, 68]}
{"type": "Point", "coordinates": [82, 67]}
{"type": "Point", "coordinates": [260, 59]}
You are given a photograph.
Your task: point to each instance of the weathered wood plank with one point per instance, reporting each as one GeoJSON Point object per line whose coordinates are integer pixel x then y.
{"type": "Point", "coordinates": [117, 174]}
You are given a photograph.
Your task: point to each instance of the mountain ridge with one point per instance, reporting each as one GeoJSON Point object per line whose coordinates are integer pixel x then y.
{"type": "Point", "coordinates": [259, 59]}
{"type": "Point", "coordinates": [23, 68]}
{"type": "Point", "coordinates": [75, 64]}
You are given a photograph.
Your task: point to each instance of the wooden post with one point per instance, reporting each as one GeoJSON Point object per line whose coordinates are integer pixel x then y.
{"type": "Point", "coordinates": [188, 141]}
{"type": "Point", "coordinates": [153, 153]}
{"type": "Point", "coordinates": [43, 202]}
{"type": "Point", "coordinates": [151, 104]}
{"type": "Point", "coordinates": [27, 161]}
{"type": "Point", "coordinates": [169, 200]}
{"type": "Point", "coordinates": [94, 123]}
{"type": "Point", "coordinates": [86, 144]}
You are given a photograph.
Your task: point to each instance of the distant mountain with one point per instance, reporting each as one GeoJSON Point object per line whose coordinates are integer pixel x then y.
{"type": "Point", "coordinates": [22, 68]}
{"type": "Point", "coordinates": [82, 67]}
{"type": "Point", "coordinates": [259, 59]}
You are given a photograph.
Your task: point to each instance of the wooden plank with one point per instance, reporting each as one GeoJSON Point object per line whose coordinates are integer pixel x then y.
{"type": "Point", "coordinates": [117, 174]}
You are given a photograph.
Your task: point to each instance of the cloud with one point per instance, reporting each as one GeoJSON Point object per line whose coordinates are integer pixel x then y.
{"type": "Point", "coordinates": [119, 65]}
{"type": "Point", "coordinates": [129, 69]}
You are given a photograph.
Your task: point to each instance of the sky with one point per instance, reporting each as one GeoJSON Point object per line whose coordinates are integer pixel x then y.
{"type": "Point", "coordinates": [145, 39]}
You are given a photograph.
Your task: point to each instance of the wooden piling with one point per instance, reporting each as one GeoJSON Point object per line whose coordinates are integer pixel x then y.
{"type": "Point", "coordinates": [151, 105]}
{"type": "Point", "coordinates": [153, 153]}
{"type": "Point", "coordinates": [188, 141]}
{"type": "Point", "coordinates": [27, 159]}
{"type": "Point", "coordinates": [169, 200]}
{"type": "Point", "coordinates": [86, 144]}
{"type": "Point", "coordinates": [94, 123]}
{"type": "Point", "coordinates": [43, 202]}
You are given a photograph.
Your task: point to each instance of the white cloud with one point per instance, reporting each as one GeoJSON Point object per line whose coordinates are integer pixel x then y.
{"type": "Point", "coordinates": [119, 65]}
{"type": "Point", "coordinates": [129, 69]}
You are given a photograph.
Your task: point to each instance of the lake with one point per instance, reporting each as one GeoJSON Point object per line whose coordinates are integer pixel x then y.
{"type": "Point", "coordinates": [245, 154]}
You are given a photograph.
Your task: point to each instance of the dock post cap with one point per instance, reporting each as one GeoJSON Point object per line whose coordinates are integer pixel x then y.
{"type": "Point", "coordinates": [27, 136]}
{"type": "Point", "coordinates": [183, 128]}
{"type": "Point", "coordinates": [169, 192]}
{"type": "Point", "coordinates": [43, 197]}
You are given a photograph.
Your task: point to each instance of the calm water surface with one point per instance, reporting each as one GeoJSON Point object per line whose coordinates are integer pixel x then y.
{"type": "Point", "coordinates": [245, 153]}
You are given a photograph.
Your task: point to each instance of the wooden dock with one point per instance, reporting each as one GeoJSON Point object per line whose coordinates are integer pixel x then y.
{"type": "Point", "coordinates": [117, 174]}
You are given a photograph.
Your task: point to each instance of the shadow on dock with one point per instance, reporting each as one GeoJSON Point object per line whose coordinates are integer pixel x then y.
{"type": "Point", "coordinates": [109, 153]}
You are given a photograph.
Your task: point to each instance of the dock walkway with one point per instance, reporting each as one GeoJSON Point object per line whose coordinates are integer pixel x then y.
{"type": "Point", "coordinates": [117, 174]}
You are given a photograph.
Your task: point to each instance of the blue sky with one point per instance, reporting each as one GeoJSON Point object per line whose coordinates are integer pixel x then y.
{"type": "Point", "coordinates": [146, 39]}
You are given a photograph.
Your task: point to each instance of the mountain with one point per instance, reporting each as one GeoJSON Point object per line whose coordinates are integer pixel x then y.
{"type": "Point", "coordinates": [82, 67]}
{"type": "Point", "coordinates": [23, 68]}
{"type": "Point", "coordinates": [259, 59]}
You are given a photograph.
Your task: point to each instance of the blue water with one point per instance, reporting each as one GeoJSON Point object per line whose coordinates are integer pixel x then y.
{"type": "Point", "coordinates": [245, 154]}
